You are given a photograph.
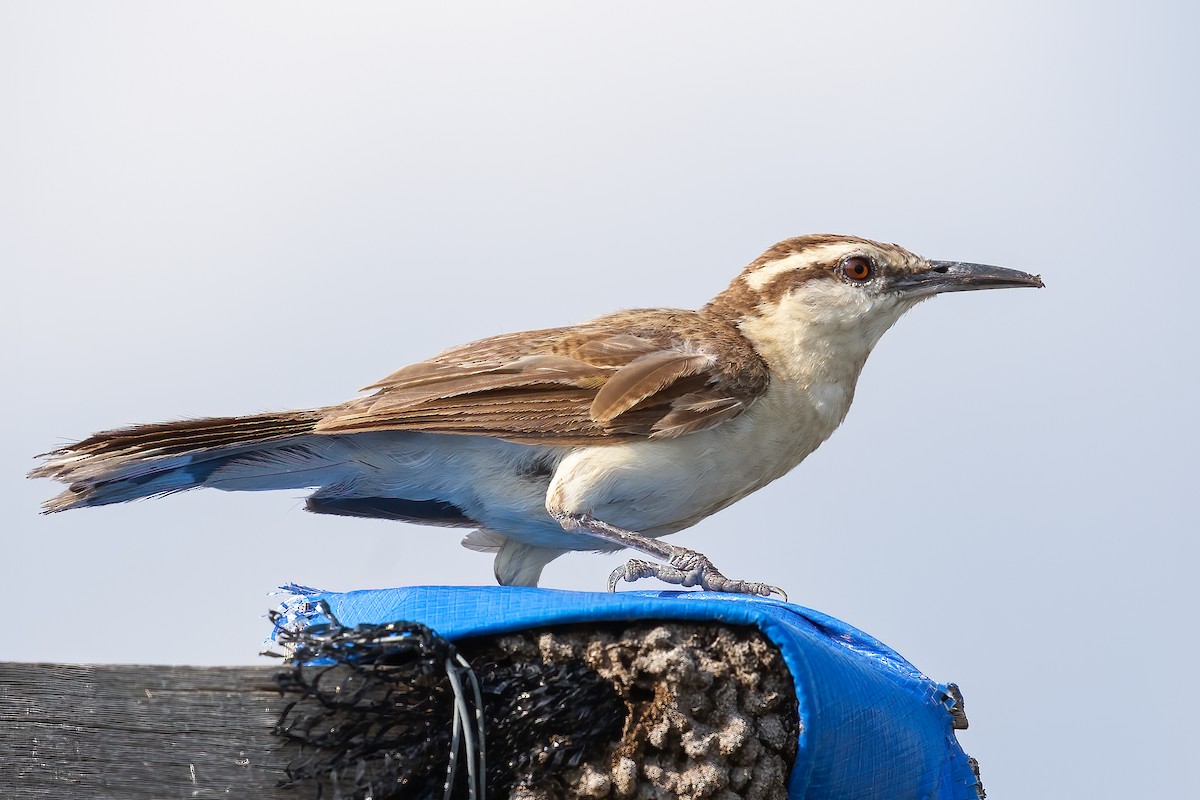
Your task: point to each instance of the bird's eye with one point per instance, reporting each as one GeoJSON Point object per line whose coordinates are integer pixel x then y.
{"type": "Point", "coordinates": [857, 269]}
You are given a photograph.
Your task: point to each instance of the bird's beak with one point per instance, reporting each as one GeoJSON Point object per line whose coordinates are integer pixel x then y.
{"type": "Point", "coordinates": [955, 276]}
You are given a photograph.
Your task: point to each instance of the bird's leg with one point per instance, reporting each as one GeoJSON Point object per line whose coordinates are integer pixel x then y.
{"type": "Point", "coordinates": [684, 567]}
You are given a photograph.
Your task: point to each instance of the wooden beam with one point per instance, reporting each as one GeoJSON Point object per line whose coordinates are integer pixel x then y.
{"type": "Point", "coordinates": [134, 732]}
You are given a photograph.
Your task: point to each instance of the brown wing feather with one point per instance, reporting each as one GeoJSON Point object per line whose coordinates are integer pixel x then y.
{"type": "Point", "coordinates": [696, 411]}
{"type": "Point", "coordinates": [637, 374]}
{"type": "Point", "coordinates": [531, 373]}
{"type": "Point", "coordinates": [644, 377]}
{"type": "Point", "coordinates": [615, 351]}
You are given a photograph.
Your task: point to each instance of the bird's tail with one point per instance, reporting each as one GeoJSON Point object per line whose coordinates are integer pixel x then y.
{"type": "Point", "coordinates": [264, 451]}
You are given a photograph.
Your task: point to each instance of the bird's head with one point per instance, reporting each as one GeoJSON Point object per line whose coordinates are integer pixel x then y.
{"type": "Point", "coordinates": [842, 291]}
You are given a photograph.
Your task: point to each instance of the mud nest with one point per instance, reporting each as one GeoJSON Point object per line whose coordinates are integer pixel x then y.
{"type": "Point", "coordinates": [711, 710]}
{"type": "Point", "coordinates": [631, 710]}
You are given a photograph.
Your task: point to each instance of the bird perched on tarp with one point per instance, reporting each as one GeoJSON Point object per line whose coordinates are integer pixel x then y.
{"type": "Point", "coordinates": [598, 436]}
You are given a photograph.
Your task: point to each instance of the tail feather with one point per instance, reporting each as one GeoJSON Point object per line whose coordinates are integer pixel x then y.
{"type": "Point", "coordinates": [148, 460]}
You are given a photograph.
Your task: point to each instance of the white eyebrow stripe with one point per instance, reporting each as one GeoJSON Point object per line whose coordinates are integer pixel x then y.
{"type": "Point", "coordinates": [759, 278]}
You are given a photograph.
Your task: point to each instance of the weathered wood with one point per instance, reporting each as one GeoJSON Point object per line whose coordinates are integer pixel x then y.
{"type": "Point", "coordinates": [134, 732]}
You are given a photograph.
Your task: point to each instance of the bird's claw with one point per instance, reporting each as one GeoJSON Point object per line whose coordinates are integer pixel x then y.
{"type": "Point", "coordinates": [770, 590]}
{"type": "Point", "coordinates": [631, 571]}
{"type": "Point", "coordinates": [690, 569]}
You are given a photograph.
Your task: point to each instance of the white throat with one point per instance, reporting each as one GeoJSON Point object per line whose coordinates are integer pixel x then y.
{"type": "Point", "coordinates": [816, 340]}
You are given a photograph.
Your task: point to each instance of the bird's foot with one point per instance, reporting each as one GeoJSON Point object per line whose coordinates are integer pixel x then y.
{"type": "Point", "coordinates": [689, 568]}
{"type": "Point", "coordinates": [683, 568]}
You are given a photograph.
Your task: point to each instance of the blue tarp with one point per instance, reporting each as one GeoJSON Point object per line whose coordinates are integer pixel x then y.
{"type": "Point", "coordinates": [872, 726]}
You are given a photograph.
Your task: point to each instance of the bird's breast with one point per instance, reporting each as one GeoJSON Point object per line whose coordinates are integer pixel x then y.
{"type": "Point", "coordinates": [786, 424]}
{"type": "Point", "coordinates": [662, 486]}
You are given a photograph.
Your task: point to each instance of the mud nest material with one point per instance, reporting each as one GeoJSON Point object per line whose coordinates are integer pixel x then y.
{"type": "Point", "coordinates": [630, 710]}
{"type": "Point", "coordinates": [711, 711]}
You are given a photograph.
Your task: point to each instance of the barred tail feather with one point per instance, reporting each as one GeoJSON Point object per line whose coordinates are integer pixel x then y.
{"type": "Point", "coordinates": [157, 459]}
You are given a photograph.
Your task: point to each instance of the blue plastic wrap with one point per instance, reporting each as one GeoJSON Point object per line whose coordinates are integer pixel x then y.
{"type": "Point", "coordinates": [871, 724]}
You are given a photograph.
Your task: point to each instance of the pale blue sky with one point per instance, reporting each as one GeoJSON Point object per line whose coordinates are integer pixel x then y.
{"type": "Point", "coordinates": [224, 208]}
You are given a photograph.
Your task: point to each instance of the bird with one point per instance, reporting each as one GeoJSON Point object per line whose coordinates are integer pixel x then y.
{"type": "Point", "coordinates": [604, 435]}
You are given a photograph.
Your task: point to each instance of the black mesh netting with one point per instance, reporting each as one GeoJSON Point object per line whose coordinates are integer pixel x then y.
{"type": "Point", "coordinates": [390, 711]}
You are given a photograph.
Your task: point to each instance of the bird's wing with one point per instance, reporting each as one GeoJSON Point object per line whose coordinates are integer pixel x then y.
{"type": "Point", "coordinates": [646, 374]}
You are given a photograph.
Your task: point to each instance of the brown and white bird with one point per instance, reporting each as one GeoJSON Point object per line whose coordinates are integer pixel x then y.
{"type": "Point", "coordinates": [599, 436]}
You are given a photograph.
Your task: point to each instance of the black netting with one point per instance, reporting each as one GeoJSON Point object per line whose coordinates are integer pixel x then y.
{"type": "Point", "coordinates": [542, 718]}
{"type": "Point", "coordinates": [373, 712]}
